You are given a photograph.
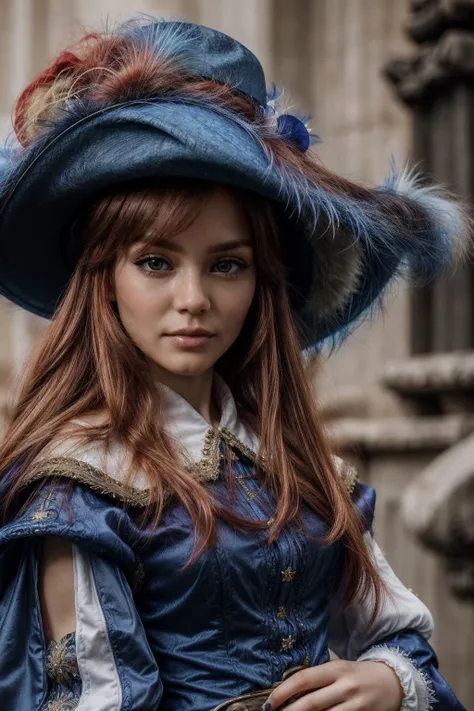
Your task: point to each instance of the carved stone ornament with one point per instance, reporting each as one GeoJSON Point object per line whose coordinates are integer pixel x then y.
{"type": "Point", "coordinates": [433, 66]}
{"type": "Point", "coordinates": [435, 372]}
{"type": "Point", "coordinates": [430, 18]}
{"type": "Point", "coordinates": [399, 434]}
{"type": "Point", "coordinates": [438, 508]}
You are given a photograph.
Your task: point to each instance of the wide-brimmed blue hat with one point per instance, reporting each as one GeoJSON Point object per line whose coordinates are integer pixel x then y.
{"type": "Point", "coordinates": [341, 245]}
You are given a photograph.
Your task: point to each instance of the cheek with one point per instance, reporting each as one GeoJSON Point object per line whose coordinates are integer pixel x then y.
{"type": "Point", "coordinates": [235, 306]}
{"type": "Point", "coordinates": [137, 301]}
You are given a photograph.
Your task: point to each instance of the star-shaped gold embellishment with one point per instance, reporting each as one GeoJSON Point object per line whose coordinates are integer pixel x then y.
{"type": "Point", "coordinates": [40, 515]}
{"type": "Point", "coordinates": [288, 574]}
{"type": "Point", "coordinates": [287, 643]}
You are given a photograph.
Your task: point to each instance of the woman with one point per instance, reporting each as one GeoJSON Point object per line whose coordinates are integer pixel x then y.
{"type": "Point", "coordinates": [176, 533]}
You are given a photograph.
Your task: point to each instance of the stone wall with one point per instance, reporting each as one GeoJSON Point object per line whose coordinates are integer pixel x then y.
{"type": "Point", "coordinates": [362, 127]}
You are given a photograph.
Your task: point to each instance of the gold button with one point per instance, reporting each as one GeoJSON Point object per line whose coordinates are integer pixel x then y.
{"type": "Point", "coordinates": [288, 574]}
{"type": "Point", "coordinates": [287, 643]}
{"type": "Point", "coordinates": [281, 614]}
{"type": "Point", "coordinates": [270, 522]}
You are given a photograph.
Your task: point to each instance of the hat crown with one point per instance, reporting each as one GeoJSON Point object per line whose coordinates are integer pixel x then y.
{"type": "Point", "coordinates": [209, 54]}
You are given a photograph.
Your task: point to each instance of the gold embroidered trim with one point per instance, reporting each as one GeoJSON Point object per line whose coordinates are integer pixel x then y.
{"type": "Point", "coordinates": [61, 665]}
{"type": "Point", "coordinates": [208, 467]}
{"type": "Point", "coordinates": [62, 704]}
{"type": "Point", "coordinates": [86, 473]}
{"type": "Point", "coordinates": [350, 479]}
{"type": "Point", "coordinates": [232, 441]}
{"type": "Point", "coordinates": [241, 479]}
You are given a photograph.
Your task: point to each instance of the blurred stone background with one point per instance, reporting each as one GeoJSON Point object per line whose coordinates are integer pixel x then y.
{"type": "Point", "coordinates": [381, 79]}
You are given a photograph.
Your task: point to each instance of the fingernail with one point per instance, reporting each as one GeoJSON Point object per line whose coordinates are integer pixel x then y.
{"type": "Point", "coordinates": [267, 706]}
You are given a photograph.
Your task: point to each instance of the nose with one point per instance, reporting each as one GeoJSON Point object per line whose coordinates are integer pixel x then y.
{"type": "Point", "coordinates": [190, 293]}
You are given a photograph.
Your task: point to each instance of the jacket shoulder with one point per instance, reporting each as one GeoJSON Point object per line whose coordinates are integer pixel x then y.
{"type": "Point", "coordinates": [101, 468]}
{"type": "Point", "coordinates": [80, 469]}
{"type": "Point", "coordinates": [362, 495]}
{"type": "Point", "coordinates": [348, 473]}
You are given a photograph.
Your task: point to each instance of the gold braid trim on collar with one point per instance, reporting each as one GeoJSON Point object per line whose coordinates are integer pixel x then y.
{"type": "Point", "coordinates": [87, 474]}
{"type": "Point", "coordinates": [207, 469]}
{"type": "Point", "coordinates": [350, 477]}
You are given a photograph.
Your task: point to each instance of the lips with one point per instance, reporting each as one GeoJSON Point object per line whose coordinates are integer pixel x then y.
{"type": "Point", "coordinates": [191, 332]}
{"type": "Point", "coordinates": [191, 338]}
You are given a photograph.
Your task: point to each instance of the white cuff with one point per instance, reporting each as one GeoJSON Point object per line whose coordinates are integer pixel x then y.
{"type": "Point", "coordinates": [418, 692]}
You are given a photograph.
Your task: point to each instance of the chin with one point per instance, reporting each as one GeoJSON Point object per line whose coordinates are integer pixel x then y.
{"type": "Point", "coordinates": [187, 371]}
{"type": "Point", "coordinates": [187, 366]}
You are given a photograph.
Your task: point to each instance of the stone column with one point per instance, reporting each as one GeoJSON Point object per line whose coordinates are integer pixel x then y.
{"type": "Point", "coordinates": [437, 83]}
{"type": "Point", "coordinates": [18, 42]}
{"type": "Point", "coordinates": [362, 127]}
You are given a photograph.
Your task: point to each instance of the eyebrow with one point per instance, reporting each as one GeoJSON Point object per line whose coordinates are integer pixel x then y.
{"type": "Point", "coordinates": [219, 247]}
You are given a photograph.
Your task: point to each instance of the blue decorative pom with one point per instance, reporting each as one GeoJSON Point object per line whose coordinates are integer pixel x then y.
{"type": "Point", "coordinates": [294, 130]}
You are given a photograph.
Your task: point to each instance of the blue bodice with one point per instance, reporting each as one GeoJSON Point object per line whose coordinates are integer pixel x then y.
{"type": "Point", "coordinates": [169, 635]}
{"type": "Point", "coordinates": [245, 611]}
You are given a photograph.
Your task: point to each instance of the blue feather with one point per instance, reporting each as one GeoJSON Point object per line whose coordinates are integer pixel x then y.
{"type": "Point", "coordinates": [273, 93]}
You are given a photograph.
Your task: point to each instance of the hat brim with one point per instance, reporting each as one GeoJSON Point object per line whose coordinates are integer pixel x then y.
{"type": "Point", "coordinates": [339, 250]}
{"type": "Point", "coordinates": [135, 141]}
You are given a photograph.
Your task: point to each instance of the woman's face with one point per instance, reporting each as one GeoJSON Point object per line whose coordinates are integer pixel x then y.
{"type": "Point", "coordinates": [203, 278]}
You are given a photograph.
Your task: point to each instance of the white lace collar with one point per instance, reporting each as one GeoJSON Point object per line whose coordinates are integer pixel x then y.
{"type": "Point", "coordinates": [198, 442]}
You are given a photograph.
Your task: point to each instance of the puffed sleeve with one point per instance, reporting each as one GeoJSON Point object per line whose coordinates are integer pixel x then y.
{"type": "Point", "coordinates": [116, 667]}
{"type": "Point", "coordinates": [399, 636]}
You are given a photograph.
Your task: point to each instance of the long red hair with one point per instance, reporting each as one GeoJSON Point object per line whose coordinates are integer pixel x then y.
{"type": "Point", "coordinates": [86, 363]}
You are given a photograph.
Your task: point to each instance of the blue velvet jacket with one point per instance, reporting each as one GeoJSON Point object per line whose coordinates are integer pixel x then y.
{"type": "Point", "coordinates": [152, 634]}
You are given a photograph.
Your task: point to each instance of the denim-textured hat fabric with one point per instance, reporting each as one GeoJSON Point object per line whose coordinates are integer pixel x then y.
{"type": "Point", "coordinates": [341, 247]}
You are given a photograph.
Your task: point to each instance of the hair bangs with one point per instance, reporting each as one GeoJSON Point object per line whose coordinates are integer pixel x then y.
{"type": "Point", "coordinates": [141, 213]}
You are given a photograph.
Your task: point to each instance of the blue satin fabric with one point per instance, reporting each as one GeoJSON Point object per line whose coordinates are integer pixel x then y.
{"type": "Point", "coordinates": [424, 657]}
{"type": "Point", "coordinates": [188, 638]}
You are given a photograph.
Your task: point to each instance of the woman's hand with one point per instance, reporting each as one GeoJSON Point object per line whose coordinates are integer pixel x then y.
{"type": "Point", "coordinates": [340, 686]}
